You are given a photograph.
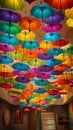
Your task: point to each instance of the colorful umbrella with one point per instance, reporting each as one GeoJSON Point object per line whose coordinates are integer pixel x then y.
{"type": "Point", "coordinates": [34, 70]}
{"type": "Point", "coordinates": [6, 47]}
{"type": "Point", "coordinates": [5, 68]}
{"type": "Point", "coordinates": [18, 73]}
{"type": "Point", "coordinates": [22, 79]}
{"type": "Point", "coordinates": [55, 51]}
{"type": "Point", "coordinates": [14, 91]}
{"type": "Point", "coordinates": [13, 4]}
{"type": "Point", "coordinates": [29, 74]}
{"type": "Point", "coordinates": [45, 56]}
{"type": "Point", "coordinates": [4, 59]}
{"type": "Point", "coordinates": [20, 66]}
{"type": "Point", "coordinates": [9, 15]}
{"type": "Point", "coordinates": [69, 13]}
{"type": "Point", "coordinates": [60, 3]}
{"type": "Point", "coordinates": [51, 36]}
{"type": "Point", "coordinates": [30, 23]}
{"type": "Point", "coordinates": [56, 72]}
{"type": "Point", "coordinates": [53, 91]}
{"type": "Point", "coordinates": [53, 62]}
{"type": "Point", "coordinates": [45, 68]}
{"type": "Point", "coordinates": [55, 18]}
{"type": "Point", "coordinates": [35, 62]}
{"type": "Point", "coordinates": [52, 27]}
{"type": "Point", "coordinates": [10, 28]}
{"type": "Point", "coordinates": [40, 90]}
{"type": "Point", "coordinates": [39, 50]}
{"type": "Point", "coordinates": [6, 85]}
{"type": "Point", "coordinates": [61, 42]}
{"type": "Point", "coordinates": [19, 86]}
{"type": "Point", "coordinates": [69, 22]}
{"type": "Point", "coordinates": [62, 67]}
{"type": "Point", "coordinates": [41, 82]}
{"type": "Point", "coordinates": [7, 74]}
{"type": "Point", "coordinates": [43, 75]}
{"type": "Point", "coordinates": [26, 35]}
{"type": "Point", "coordinates": [30, 55]}
{"type": "Point", "coordinates": [42, 11]}
{"type": "Point", "coordinates": [30, 44]}
{"type": "Point", "coordinates": [46, 44]}
{"type": "Point", "coordinates": [9, 39]}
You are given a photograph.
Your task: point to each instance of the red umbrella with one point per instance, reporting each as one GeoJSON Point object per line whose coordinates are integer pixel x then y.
{"type": "Point", "coordinates": [62, 67]}
{"type": "Point", "coordinates": [64, 4]}
{"type": "Point", "coordinates": [6, 74]}
{"type": "Point", "coordinates": [61, 42]}
{"type": "Point", "coordinates": [6, 85]}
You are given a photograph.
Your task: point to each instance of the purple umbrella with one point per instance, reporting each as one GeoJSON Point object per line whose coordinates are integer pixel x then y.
{"type": "Point", "coordinates": [22, 79]}
{"type": "Point", "coordinates": [34, 70]}
{"type": "Point", "coordinates": [57, 17]}
{"type": "Point", "coordinates": [43, 75]}
{"type": "Point", "coordinates": [18, 73]}
{"type": "Point", "coordinates": [9, 15]}
{"type": "Point", "coordinates": [30, 1]}
{"type": "Point", "coordinates": [56, 72]}
{"type": "Point", "coordinates": [6, 47]}
{"type": "Point", "coordinates": [45, 56]}
{"type": "Point", "coordinates": [52, 27]}
{"type": "Point", "coordinates": [45, 68]}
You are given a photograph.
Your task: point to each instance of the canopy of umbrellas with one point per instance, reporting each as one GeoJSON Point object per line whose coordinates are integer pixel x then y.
{"type": "Point", "coordinates": [36, 73]}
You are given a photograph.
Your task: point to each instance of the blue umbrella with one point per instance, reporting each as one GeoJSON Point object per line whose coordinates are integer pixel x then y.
{"type": "Point", "coordinates": [51, 36]}
{"type": "Point", "coordinates": [4, 59]}
{"type": "Point", "coordinates": [30, 44]}
{"type": "Point", "coordinates": [53, 62]}
{"type": "Point", "coordinates": [45, 68]}
{"type": "Point", "coordinates": [22, 79]}
{"type": "Point", "coordinates": [41, 82]}
{"type": "Point", "coordinates": [9, 39]}
{"type": "Point", "coordinates": [42, 11]}
{"type": "Point", "coordinates": [55, 51]}
{"type": "Point", "coordinates": [20, 66]}
{"type": "Point", "coordinates": [40, 90]}
{"type": "Point", "coordinates": [69, 70]}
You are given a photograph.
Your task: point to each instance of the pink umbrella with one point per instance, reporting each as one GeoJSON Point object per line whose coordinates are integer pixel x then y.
{"type": "Point", "coordinates": [43, 75]}
{"type": "Point", "coordinates": [6, 47]}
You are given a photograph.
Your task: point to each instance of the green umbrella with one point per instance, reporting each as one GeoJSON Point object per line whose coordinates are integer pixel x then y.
{"type": "Point", "coordinates": [35, 62]}
{"type": "Point", "coordinates": [15, 54]}
{"type": "Point", "coordinates": [19, 86]}
{"type": "Point", "coordinates": [10, 28]}
{"type": "Point", "coordinates": [10, 80]}
{"type": "Point", "coordinates": [49, 86]}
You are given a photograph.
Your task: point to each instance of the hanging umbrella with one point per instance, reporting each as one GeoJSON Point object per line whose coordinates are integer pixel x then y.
{"type": "Point", "coordinates": [60, 3]}
{"type": "Point", "coordinates": [29, 74]}
{"type": "Point", "coordinates": [45, 56]}
{"type": "Point", "coordinates": [69, 13]}
{"type": "Point", "coordinates": [55, 51]}
{"type": "Point", "coordinates": [8, 27]}
{"type": "Point", "coordinates": [51, 36]}
{"type": "Point", "coordinates": [6, 85]}
{"type": "Point", "coordinates": [4, 59]}
{"type": "Point", "coordinates": [53, 62]}
{"type": "Point", "coordinates": [9, 15]}
{"type": "Point", "coordinates": [35, 62]}
{"type": "Point", "coordinates": [55, 18]}
{"type": "Point", "coordinates": [45, 68]}
{"type": "Point", "coordinates": [31, 86]}
{"type": "Point", "coordinates": [26, 35]}
{"type": "Point", "coordinates": [7, 79]}
{"type": "Point", "coordinates": [43, 75]}
{"type": "Point", "coordinates": [49, 86]}
{"type": "Point", "coordinates": [13, 4]}
{"type": "Point", "coordinates": [40, 90]}
{"type": "Point", "coordinates": [19, 86]}
{"type": "Point", "coordinates": [14, 91]}
{"type": "Point", "coordinates": [7, 74]}
{"type": "Point", "coordinates": [41, 82]}
{"type": "Point", "coordinates": [9, 39]}
{"type": "Point", "coordinates": [30, 1]}
{"type": "Point", "coordinates": [63, 81]}
{"type": "Point", "coordinates": [18, 73]}
{"type": "Point", "coordinates": [42, 11]}
{"type": "Point", "coordinates": [30, 55]}
{"type": "Point", "coordinates": [39, 50]}
{"type": "Point", "coordinates": [61, 42]}
{"type": "Point", "coordinates": [61, 67]}
{"type": "Point", "coordinates": [52, 27]}
{"type": "Point", "coordinates": [30, 44]}
{"type": "Point", "coordinates": [56, 72]}
{"type": "Point", "coordinates": [54, 91]}
{"type": "Point", "coordinates": [6, 47]}
{"type": "Point", "coordinates": [20, 66]}
{"type": "Point", "coordinates": [30, 23]}
{"type": "Point", "coordinates": [64, 56]}
{"type": "Point", "coordinates": [46, 44]}
{"type": "Point", "coordinates": [5, 68]}
{"type": "Point", "coordinates": [34, 70]}
{"type": "Point", "coordinates": [22, 79]}
{"type": "Point", "coordinates": [69, 22]}
{"type": "Point", "coordinates": [69, 50]}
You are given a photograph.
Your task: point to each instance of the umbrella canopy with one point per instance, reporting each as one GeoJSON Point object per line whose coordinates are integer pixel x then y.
{"type": "Point", "coordinates": [7, 74]}
{"type": "Point", "coordinates": [22, 79]}
{"type": "Point", "coordinates": [40, 90]}
{"type": "Point", "coordinates": [26, 35]}
{"type": "Point", "coordinates": [55, 18]}
{"type": "Point", "coordinates": [20, 66]}
{"type": "Point", "coordinates": [18, 73]}
{"type": "Point", "coordinates": [35, 62]}
{"type": "Point", "coordinates": [61, 42]}
{"type": "Point", "coordinates": [30, 55]}
{"type": "Point", "coordinates": [55, 51]}
{"type": "Point", "coordinates": [34, 70]}
{"type": "Point", "coordinates": [5, 68]}
{"type": "Point", "coordinates": [39, 50]}
{"type": "Point", "coordinates": [60, 3]}
{"type": "Point", "coordinates": [45, 68]}
{"type": "Point", "coordinates": [43, 75]}
{"type": "Point", "coordinates": [30, 23]}
{"type": "Point", "coordinates": [42, 11]}
{"type": "Point", "coordinates": [6, 85]}
{"type": "Point", "coordinates": [6, 47]}
{"type": "Point", "coordinates": [10, 28]}
{"type": "Point", "coordinates": [52, 36]}
{"type": "Point", "coordinates": [69, 22]}
{"type": "Point", "coordinates": [41, 82]}
{"type": "Point", "coordinates": [13, 4]}
{"type": "Point", "coordinates": [69, 13]}
{"type": "Point", "coordinates": [53, 91]}
{"type": "Point", "coordinates": [56, 72]}
{"type": "Point", "coordinates": [4, 59]}
{"type": "Point", "coordinates": [30, 44]}
{"type": "Point", "coordinates": [52, 27]}
{"type": "Point", "coordinates": [62, 67]}
{"type": "Point", "coordinates": [46, 44]}
{"type": "Point", "coordinates": [29, 74]}
{"type": "Point", "coordinates": [9, 15]}
{"type": "Point", "coordinates": [9, 39]}
{"type": "Point", "coordinates": [45, 56]}
{"type": "Point", "coordinates": [53, 62]}
{"type": "Point", "coordinates": [19, 86]}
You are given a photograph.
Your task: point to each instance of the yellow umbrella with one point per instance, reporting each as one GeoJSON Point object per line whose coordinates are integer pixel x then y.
{"type": "Point", "coordinates": [69, 22]}
{"type": "Point", "coordinates": [26, 35]}
{"type": "Point", "coordinates": [69, 13]}
{"type": "Point", "coordinates": [5, 68]}
{"type": "Point", "coordinates": [66, 75]}
{"type": "Point", "coordinates": [46, 45]}
{"type": "Point", "coordinates": [64, 56]}
{"type": "Point", "coordinates": [69, 62]}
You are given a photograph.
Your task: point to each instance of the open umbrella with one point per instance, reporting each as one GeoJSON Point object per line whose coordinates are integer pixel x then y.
{"type": "Point", "coordinates": [29, 74]}
{"type": "Point", "coordinates": [30, 44]}
{"type": "Point", "coordinates": [54, 91]}
{"type": "Point", "coordinates": [39, 50]}
{"type": "Point", "coordinates": [55, 51]}
{"type": "Point", "coordinates": [26, 35]}
{"type": "Point", "coordinates": [4, 59]}
{"type": "Point", "coordinates": [41, 82]}
{"type": "Point", "coordinates": [69, 22]}
{"type": "Point", "coordinates": [40, 90]}
{"type": "Point", "coordinates": [6, 47]}
{"type": "Point", "coordinates": [69, 13]}
{"type": "Point", "coordinates": [60, 3]}
{"type": "Point", "coordinates": [20, 66]}
{"type": "Point", "coordinates": [45, 56]}
{"type": "Point", "coordinates": [6, 85]}
{"type": "Point", "coordinates": [53, 62]}
{"type": "Point", "coordinates": [7, 74]}
{"type": "Point", "coordinates": [9, 15]}
{"type": "Point", "coordinates": [55, 18]}
{"type": "Point", "coordinates": [52, 27]}
{"type": "Point", "coordinates": [61, 42]}
{"type": "Point", "coordinates": [56, 72]}
{"type": "Point", "coordinates": [30, 23]}
{"type": "Point", "coordinates": [36, 62]}
{"type": "Point", "coordinates": [5, 68]}
{"type": "Point", "coordinates": [45, 68]}
{"type": "Point", "coordinates": [9, 39]}
{"type": "Point", "coordinates": [34, 70]}
{"type": "Point", "coordinates": [19, 86]}
{"type": "Point", "coordinates": [13, 4]}
{"type": "Point", "coordinates": [11, 28]}
{"type": "Point", "coordinates": [30, 55]}
{"type": "Point", "coordinates": [18, 73]}
{"type": "Point", "coordinates": [43, 75]}
{"type": "Point", "coordinates": [46, 44]}
{"type": "Point", "coordinates": [52, 36]}
{"type": "Point", "coordinates": [22, 79]}
{"type": "Point", "coordinates": [61, 67]}
{"type": "Point", "coordinates": [42, 11]}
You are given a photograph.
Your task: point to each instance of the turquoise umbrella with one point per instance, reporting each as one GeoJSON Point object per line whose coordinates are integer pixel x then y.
{"type": "Point", "coordinates": [53, 62]}
{"type": "Point", "coordinates": [55, 51]}
{"type": "Point", "coordinates": [30, 44]}
{"type": "Point", "coordinates": [9, 39]}
{"type": "Point", "coordinates": [40, 90]}
{"type": "Point", "coordinates": [4, 59]}
{"type": "Point", "coordinates": [41, 82]}
{"type": "Point", "coordinates": [11, 28]}
{"type": "Point", "coordinates": [19, 86]}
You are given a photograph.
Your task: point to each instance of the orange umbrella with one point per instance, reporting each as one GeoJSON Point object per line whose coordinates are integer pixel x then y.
{"type": "Point", "coordinates": [39, 50]}
{"type": "Point", "coordinates": [62, 67]}
{"type": "Point", "coordinates": [30, 55]}
{"type": "Point", "coordinates": [30, 23]}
